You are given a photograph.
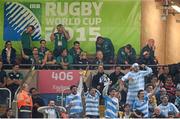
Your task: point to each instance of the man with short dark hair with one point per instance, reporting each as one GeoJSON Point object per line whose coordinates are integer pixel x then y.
{"type": "Point", "coordinates": [126, 55]}
{"type": "Point", "coordinates": [14, 79]}
{"type": "Point", "coordinates": [74, 102]}
{"type": "Point", "coordinates": [111, 101]}
{"type": "Point", "coordinates": [75, 52]}
{"type": "Point", "coordinates": [105, 45]}
{"type": "Point", "coordinates": [60, 39]}
{"type": "Point", "coordinates": [43, 49]}
{"type": "Point", "coordinates": [26, 39]}
{"type": "Point", "coordinates": [37, 102]}
{"type": "Point", "coordinates": [167, 106]}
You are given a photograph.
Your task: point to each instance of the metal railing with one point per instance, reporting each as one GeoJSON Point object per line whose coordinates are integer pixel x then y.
{"type": "Point", "coordinates": [9, 98]}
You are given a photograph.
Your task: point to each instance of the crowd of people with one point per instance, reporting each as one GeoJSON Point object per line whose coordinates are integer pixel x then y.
{"type": "Point", "coordinates": [135, 91]}
{"type": "Point", "coordinates": [61, 55]}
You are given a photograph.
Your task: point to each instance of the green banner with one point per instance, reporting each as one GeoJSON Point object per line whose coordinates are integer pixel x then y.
{"type": "Point", "coordinates": [118, 20]}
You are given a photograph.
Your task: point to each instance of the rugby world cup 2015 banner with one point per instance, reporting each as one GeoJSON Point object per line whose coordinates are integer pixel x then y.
{"type": "Point", "coordinates": [57, 81]}
{"type": "Point", "coordinates": [118, 20]}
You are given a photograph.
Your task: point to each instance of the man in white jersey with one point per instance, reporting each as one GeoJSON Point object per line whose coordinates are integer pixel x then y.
{"type": "Point", "coordinates": [111, 101]}
{"type": "Point", "coordinates": [142, 102]}
{"type": "Point", "coordinates": [74, 101]}
{"type": "Point", "coordinates": [167, 106]}
{"type": "Point", "coordinates": [135, 79]}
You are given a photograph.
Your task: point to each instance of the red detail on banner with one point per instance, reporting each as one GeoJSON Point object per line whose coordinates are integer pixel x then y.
{"type": "Point", "coordinates": [57, 81]}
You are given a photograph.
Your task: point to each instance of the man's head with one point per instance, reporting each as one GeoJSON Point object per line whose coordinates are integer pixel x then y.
{"type": "Point", "coordinates": [60, 28]}
{"type": "Point", "coordinates": [99, 40]}
{"type": "Point", "coordinates": [25, 87]}
{"type": "Point", "coordinates": [64, 52]}
{"type": "Point", "coordinates": [73, 89]}
{"type": "Point", "coordinates": [169, 80]}
{"type": "Point", "coordinates": [76, 44]}
{"type": "Point", "coordinates": [141, 94]}
{"type": "Point", "coordinates": [99, 55]}
{"type": "Point", "coordinates": [9, 112]}
{"type": "Point", "coordinates": [128, 48]}
{"type": "Point", "coordinates": [43, 43]}
{"type": "Point", "coordinates": [117, 69]}
{"type": "Point", "coordinates": [92, 91]}
{"type": "Point", "coordinates": [51, 103]}
{"type": "Point", "coordinates": [112, 92]}
{"type": "Point", "coordinates": [35, 51]}
{"type": "Point", "coordinates": [149, 88]}
{"type": "Point", "coordinates": [135, 67]}
{"type": "Point", "coordinates": [8, 44]}
{"type": "Point", "coordinates": [165, 99]}
{"type": "Point", "coordinates": [33, 91]}
{"type": "Point", "coordinates": [126, 107]}
{"type": "Point", "coordinates": [151, 42]}
{"type": "Point", "coordinates": [30, 29]}
{"type": "Point", "coordinates": [163, 91]}
{"type": "Point", "coordinates": [15, 67]}
{"type": "Point", "coordinates": [100, 68]}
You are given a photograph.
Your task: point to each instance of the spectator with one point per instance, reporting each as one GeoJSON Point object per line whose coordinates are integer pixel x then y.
{"type": "Point", "coordinates": [42, 49]}
{"type": "Point", "coordinates": [74, 102]}
{"type": "Point", "coordinates": [8, 114]}
{"type": "Point", "coordinates": [3, 80]}
{"type": "Point", "coordinates": [157, 113]}
{"type": "Point", "coordinates": [177, 101]}
{"type": "Point", "coordinates": [26, 40]}
{"type": "Point", "coordinates": [170, 88]}
{"type": "Point", "coordinates": [65, 60]}
{"type": "Point", "coordinates": [24, 102]}
{"type": "Point", "coordinates": [8, 54]}
{"type": "Point", "coordinates": [164, 73]}
{"type": "Point", "coordinates": [83, 60]}
{"type": "Point", "coordinates": [127, 112]}
{"type": "Point", "coordinates": [15, 78]}
{"type": "Point", "coordinates": [146, 59]}
{"type": "Point", "coordinates": [150, 49]}
{"type": "Point", "coordinates": [49, 59]}
{"type": "Point", "coordinates": [37, 102]}
{"type": "Point", "coordinates": [51, 111]}
{"type": "Point", "coordinates": [135, 80]}
{"type": "Point", "coordinates": [152, 100]}
{"type": "Point", "coordinates": [115, 76]}
{"type": "Point", "coordinates": [105, 45]}
{"type": "Point", "coordinates": [126, 55]}
{"type": "Point", "coordinates": [142, 102]}
{"type": "Point", "coordinates": [111, 101]}
{"type": "Point", "coordinates": [60, 39]}
{"type": "Point", "coordinates": [99, 78]}
{"type": "Point", "coordinates": [75, 51]}
{"type": "Point", "coordinates": [121, 102]}
{"type": "Point", "coordinates": [161, 93]}
{"type": "Point", "coordinates": [35, 58]}
{"type": "Point", "coordinates": [166, 106]}
{"type": "Point", "coordinates": [99, 58]}
{"type": "Point", "coordinates": [92, 102]}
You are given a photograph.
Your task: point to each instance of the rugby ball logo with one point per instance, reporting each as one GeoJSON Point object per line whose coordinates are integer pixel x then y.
{"type": "Point", "coordinates": [16, 19]}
